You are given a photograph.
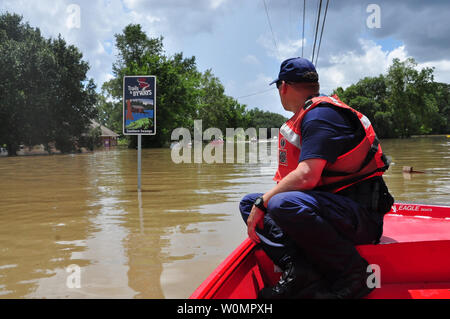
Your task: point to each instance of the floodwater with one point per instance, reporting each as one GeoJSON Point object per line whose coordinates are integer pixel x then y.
{"type": "Point", "coordinates": [75, 226]}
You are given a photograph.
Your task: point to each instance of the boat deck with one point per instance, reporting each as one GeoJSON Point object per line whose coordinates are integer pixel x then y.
{"type": "Point", "coordinates": [414, 257]}
{"type": "Point", "coordinates": [413, 260]}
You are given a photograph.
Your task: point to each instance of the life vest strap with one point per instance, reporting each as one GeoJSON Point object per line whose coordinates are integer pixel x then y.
{"type": "Point", "coordinates": [370, 155]}
{"type": "Point", "coordinates": [349, 181]}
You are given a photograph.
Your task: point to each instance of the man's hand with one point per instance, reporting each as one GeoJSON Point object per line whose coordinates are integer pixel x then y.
{"type": "Point", "coordinates": [255, 219]}
{"type": "Point", "coordinates": [304, 177]}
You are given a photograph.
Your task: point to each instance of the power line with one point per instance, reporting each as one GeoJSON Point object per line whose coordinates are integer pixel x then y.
{"type": "Point", "coordinates": [312, 28]}
{"type": "Point", "coordinates": [290, 17]}
{"type": "Point", "coordinates": [303, 32]}
{"type": "Point", "coordinates": [321, 33]}
{"type": "Point", "coordinates": [270, 26]}
{"type": "Point", "coordinates": [256, 93]}
{"type": "Point", "coordinates": [317, 30]}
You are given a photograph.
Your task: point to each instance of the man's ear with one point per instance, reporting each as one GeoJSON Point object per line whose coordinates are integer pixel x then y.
{"type": "Point", "coordinates": [284, 87]}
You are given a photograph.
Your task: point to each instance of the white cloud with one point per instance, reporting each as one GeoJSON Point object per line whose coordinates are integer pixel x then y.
{"type": "Point", "coordinates": [217, 3]}
{"type": "Point", "coordinates": [100, 49]}
{"type": "Point", "coordinates": [441, 71]}
{"type": "Point", "coordinates": [260, 81]}
{"type": "Point", "coordinates": [343, 70]}
{"type": "Point", "coordinates": [100, 20]}
{"type": "Point", "coordinates": [348, 68]}
{"type": "Point", "coordinates": [198, 27]}
{"type": "Point", "coordinates": [281, 50]}
{"type": "Point", "coordinates": [251, 59]}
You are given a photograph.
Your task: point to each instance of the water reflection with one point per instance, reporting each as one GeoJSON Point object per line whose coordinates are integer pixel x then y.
{"type": "Point", "coordinates": [42, 224]}
{"type": "Point", "coordinates": [427, 154]}
{"type": "Point", "coordinates": [158, 243]}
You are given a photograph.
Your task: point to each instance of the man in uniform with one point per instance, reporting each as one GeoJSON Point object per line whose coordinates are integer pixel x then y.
{"type": "Point", "coordinates": [329, 196]}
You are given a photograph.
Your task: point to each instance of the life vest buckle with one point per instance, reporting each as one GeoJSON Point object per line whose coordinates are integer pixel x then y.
{"type": "Point", "coordinates": [308, 104]}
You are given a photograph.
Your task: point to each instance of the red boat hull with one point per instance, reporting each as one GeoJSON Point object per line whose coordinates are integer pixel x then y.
{"type": "Point", "coordinates": [413, 260]}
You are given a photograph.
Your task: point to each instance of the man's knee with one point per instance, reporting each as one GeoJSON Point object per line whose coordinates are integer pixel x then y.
{"type": "Point", "coordinates": [248, 200]}
{"type": "Point", "coordinates": [285, 206]}
{"type": "Point", "coordinates": [246, 204]}
{"type": "Point", "coordinates": [279, 206]}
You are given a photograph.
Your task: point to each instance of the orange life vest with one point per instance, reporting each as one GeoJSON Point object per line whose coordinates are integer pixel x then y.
{"type": "Point", "coordinates": [364, 161]}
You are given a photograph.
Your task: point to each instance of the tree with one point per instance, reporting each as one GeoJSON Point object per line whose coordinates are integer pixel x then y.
{"type": "Point", "coordinates": [19, 43]}
{"type": "Point", "coordinates": [217, 109]}
{"type": "Point", "coordinates": [403, 102]}
{"type": "Point", "coordinates": [441, 122]}
{"type": "Point", "coordinates": [177, 78]}
{"type": "Point", "coordinates": [264, 119]}
{"type": "Point", "coordinates": [183, 93]}
{"type": "Point", "coordinates": [109, 112]}
{"type": "Point", "coordinates": [44, 93]}
{"type": "Point", "coordinates": [368, 96]}
{"type": "Point", "coordinates": [73, 97]}
{"type": "Point", "coordinates": [410, 97]}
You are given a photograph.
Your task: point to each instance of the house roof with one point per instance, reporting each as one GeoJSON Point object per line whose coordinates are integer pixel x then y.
{"type": "Point", "coordinates": [105, 131]}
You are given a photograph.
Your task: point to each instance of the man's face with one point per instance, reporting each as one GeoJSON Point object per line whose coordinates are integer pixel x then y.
{"type": "Point", "coordinates": [282, 91]}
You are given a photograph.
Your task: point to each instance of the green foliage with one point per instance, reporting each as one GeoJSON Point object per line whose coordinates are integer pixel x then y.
{"type": "Point", "coordinates": [44, 93]}
{"type": "Point", "coordinates": [184, 94]}
{"type": "Point", "coordinates": [109, 113]}
{"type": "Point", "coordinates": [217, 109]}
{"type": "Point", "coordinates": [177, 79]}
{"type": "Point", "coordinates": [403, 102]}
{"type": "Point", "coordinates": [142, 124]}
{"type": "Point", "coordinates": [265, 119]}
{"type": "Point", "coordinates": [92, 139]}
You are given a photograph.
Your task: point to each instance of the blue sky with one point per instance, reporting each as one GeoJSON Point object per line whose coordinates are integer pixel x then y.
{"type": "Point", "coordinates": [233, 37]}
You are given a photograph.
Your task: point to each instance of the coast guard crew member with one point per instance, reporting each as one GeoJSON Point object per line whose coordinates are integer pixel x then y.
{"type": "Point", "coordinates": [329, 196]}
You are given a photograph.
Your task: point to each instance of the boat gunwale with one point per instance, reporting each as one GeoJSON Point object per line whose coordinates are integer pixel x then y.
{"type": "Point", "coordinates": [211, 286]}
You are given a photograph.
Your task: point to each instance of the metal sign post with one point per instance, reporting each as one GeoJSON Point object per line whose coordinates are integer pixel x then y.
{"type": "Point", "coordinates": [139, 161]}
{"type": "Point", "coordinates": [139, 110]}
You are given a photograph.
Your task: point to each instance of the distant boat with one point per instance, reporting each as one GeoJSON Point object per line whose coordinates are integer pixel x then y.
{"type": "Point", "coordinates": [217, 141]}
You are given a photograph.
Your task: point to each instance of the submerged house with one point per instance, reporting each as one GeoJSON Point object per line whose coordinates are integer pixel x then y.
{"type": "Point", "coordinates": [109, 138]}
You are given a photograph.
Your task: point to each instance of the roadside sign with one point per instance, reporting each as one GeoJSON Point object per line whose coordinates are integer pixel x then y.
{"type": "Point", "coordinates": [139, 105]}
{"type": "Point", "coordinates": [139, 110]}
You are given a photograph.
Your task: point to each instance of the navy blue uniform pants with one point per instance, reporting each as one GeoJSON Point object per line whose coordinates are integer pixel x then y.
{"type": "Point", "coordinates": [322, 227]}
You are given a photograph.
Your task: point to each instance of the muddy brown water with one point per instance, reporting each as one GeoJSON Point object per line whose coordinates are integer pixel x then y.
{"type": "Point", "coordinates": [162, 242]}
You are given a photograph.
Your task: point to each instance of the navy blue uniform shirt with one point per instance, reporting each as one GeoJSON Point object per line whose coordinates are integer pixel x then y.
{"type": "Point", "coordinates": [328, 132]}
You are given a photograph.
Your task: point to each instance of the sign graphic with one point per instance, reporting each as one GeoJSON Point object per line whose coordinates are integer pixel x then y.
{"type": "Point", "coordinates": [139, 105]}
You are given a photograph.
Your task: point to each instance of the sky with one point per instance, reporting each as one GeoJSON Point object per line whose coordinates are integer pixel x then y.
{"type": "Point", "coordinates": [244, 41]}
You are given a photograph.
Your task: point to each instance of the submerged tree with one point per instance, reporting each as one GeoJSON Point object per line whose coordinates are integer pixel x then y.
{"type": "Point", "coordinates": [403, 102]}
{"type": "Point", "coordinates": [183, 94]}
{"type": "Point", "coordinates": [45, 94]}
{"type": "Point", "coordinates": [410, 97]}
{"type": "Point", "coordinates": [177, 80]}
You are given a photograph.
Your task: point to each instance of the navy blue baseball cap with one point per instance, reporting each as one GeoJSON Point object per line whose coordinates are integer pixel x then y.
{"type": "Point", "coordinates": [295, 69]}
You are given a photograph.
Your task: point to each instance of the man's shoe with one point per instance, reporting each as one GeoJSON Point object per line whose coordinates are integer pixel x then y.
{"type": "Point", "coordinates": [353, 285]}
{"type": "Point", "coordinates": [297, 281]}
